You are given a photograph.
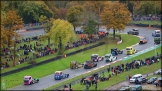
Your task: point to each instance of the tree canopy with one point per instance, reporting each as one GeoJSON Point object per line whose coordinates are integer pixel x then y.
{"type": "Point", "coordinates": [61, 33]}
{"type": "Point", "coordinates": [74, 15]}
{"type": "Point", "coordinates": [116, 16]}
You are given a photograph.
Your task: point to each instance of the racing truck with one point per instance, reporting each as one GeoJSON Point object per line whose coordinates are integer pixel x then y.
{"type": "Point", "coordinates": [110, 58]}
{"type": "Point", "coordinates": [58, 75]}
{"type": "Point", "coordinates": [28, 80]}
{"type": "Point", "coordinates": [130, 51]}
{"type": "Point", "coordinates": [157, 33]}
{"type": "Point", "coordinates": [115, 51]}
{"type": "Point", "coordinates": [96, 58]}
{"type": "Point", "coordinates": [157, 40]}
{"type": "Point", "coordinates": [75, 65]}
{"type": "Point", "coordinates": [134, 32]}
{"type": "Point", "coordinates": [90, 64]}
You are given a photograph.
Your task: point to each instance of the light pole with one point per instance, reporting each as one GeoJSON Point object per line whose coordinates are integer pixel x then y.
{"type": "Point", "coordinates": [155, 48]}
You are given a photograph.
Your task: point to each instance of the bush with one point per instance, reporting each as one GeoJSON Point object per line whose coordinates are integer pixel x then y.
{"type": "Point", "coordinates": [32, 62]}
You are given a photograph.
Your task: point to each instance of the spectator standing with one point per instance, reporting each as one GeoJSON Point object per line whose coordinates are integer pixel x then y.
{"type": "Point", "coordinates": [70, 85]}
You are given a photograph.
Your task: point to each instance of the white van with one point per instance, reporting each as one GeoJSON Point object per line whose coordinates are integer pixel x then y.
{"type": "Point", "coordinates": [132, 80]}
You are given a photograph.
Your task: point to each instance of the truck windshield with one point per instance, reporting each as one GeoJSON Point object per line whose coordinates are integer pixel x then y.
{"type": "Point", "coordinates": [127, 48]}
{"type": "Point", "coordinates": [107, 56]}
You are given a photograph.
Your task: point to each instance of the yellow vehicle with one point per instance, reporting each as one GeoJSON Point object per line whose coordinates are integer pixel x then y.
{"type": "Point", "coordinates": [75, 65]}
{"type": "Point", "coordinates": [130, 51]}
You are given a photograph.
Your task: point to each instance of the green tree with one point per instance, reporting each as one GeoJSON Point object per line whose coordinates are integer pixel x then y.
{"type": "Point", "coordinates": [90, 28]}
{"type": "Point", "coordinates": [48, 23]}
{"type": "Point", "coordinates": [116, 16]}
{"type": "Point", "coordinates": [74, 15]}
{"type": "Point", "coordinates": [61, 33]}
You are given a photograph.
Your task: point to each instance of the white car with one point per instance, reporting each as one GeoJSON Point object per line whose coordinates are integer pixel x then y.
{"type": "Point", "coordinates": [133, 79]}
{"type": "Point", "coordinates": [158, 72]}
{"type": "Point", "coordinates": [109, 58]}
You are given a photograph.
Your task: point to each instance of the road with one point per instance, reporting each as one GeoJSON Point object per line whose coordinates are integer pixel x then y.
{"type": "Point", "coordinates": [49, 80]}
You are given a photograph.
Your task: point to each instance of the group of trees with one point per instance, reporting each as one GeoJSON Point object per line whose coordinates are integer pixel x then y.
{"type": "Point", "coordinates": [112, 14]}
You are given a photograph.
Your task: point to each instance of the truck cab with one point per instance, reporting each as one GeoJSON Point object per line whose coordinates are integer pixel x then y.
{"type": "Point", "coordinates": [28, 80]}
{"type": "Point", "coordinates": [157, 33]}
{"type": "Point", "coordinates": [130, 50]}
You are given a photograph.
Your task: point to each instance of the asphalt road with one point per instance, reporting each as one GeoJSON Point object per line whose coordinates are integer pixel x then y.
{"type": "Point", "coordinates": [49, 80]}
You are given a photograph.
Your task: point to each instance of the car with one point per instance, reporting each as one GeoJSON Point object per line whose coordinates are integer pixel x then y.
{"type": "Point", "coordinates": [157, 33]}
{"type": "Point", "coordinates": [28, 80]}
{"type": "Point", "coordinates": [136, 88]}
{"type": "Point", "coordinates": [134, 32]}
{"type": "Point", "coordinates": [125, 88]}
{"type": "Point", "coordinates": [75, 65]}
{"type": "Point", "coordinates": [96, 58]}
{"type": "Point", "coordinates": [132, 80]}
{"type": "Point", "coordinates": [158, 72]}
{"type": "Point", "coordinates": [115, 51]}
{"type": "Point", "coordinates": [151, 80]}
{"type": "Point", "coordinates": [130, 51]}
{"type": "Point", "coordinates": [58, 75]}
{"type": "Point", "coordinates": [90, 64]}
{"type": "Point", "coordinates": [142, 80]}
{"type": "Point", "coordinates": [109, 58]}
{"type": "Point", "coordinates": [143, 40]}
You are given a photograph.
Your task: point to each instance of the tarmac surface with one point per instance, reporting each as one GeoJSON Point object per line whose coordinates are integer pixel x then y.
{"type": "Point", "coordinates": [49, 80]}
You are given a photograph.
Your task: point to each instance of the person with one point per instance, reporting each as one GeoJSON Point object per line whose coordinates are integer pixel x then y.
{"type": "Point", "coordinates": [70, 85]}
{"type": "Point", "coordinates": [127, 77]}
{"type": "Point", "coordinates": [96, 87]}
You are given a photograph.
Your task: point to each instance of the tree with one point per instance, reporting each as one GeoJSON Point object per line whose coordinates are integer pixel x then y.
{"type": "Point", "coordinates": [10, 24]}
{"type": "Point", "coordinates": [90, 28]}
{"type": "Point", "coordinates": [149, 7]}
{"type": "Point", "coordinates": [48, 23]}
{"type": "Point", "coordinates": [74, 15]}
{"type": "Point", "coordinates": [116, 16]}
{"type": "Point", "coordinates": [62, 13]}
{"type": "Point", "coordinates": [30, 11]}
{"type": "Point", "coordinates": [61, 33]}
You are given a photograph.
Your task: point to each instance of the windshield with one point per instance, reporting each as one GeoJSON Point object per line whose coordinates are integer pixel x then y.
{"type": "Point", "coordinates": [134, 88]}
{"type": "Point", "coordinates": [107, 56]}
{"type": "Point", "coordinates": [133, 77]}
{"type": "Point", "coordinates": [127, 48]}
{"type": "Point", "coordinates": [57, 73]}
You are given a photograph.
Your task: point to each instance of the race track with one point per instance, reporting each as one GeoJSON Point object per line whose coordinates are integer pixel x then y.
{"type": "Point", "coordinates": [49, 80]}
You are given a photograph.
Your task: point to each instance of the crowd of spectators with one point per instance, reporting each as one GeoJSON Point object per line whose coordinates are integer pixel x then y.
{"type": "Point", "coordinates": [147, 18]}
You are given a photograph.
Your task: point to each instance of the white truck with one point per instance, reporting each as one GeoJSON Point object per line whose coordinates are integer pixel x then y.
{"type": "Point", "coordinates": [109, 58]}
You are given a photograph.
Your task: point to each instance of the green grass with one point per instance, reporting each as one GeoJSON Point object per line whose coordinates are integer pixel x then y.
{"type": "Point", "coordinates": [62, 64]}
{"type": "Point", "coordinates": [42, 58]}
{"type": "Point", "coordinates": [147, 22]}
{"type": "Point", "coordinates": [113, 80]}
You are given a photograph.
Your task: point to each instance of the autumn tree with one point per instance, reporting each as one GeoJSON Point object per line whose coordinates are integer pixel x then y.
{"type": "Point", "coordinates": [90, 28]}
{"type": "Point", "coordinates": [10, 24]}
{"type": "Point", "coordinates": [74, 15]}
{"type": "Point", "coordinates": [116, 16]}
{"type": "Point", "coordinates": [149, 7]}
{"type": "Point", "coordinates": [48, 23]}
{"type": "Point", "coordinates": [61, 33]}
{"type": "Point", "coordinates": [62, 13]}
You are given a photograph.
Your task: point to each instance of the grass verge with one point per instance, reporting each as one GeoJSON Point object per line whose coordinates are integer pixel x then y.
{"type": "Point", "coordinates": [147, 22]}
{"type": "Point", "coordinates": [114, 80]}
{"type": "Point", "coordinates": [49, 68]}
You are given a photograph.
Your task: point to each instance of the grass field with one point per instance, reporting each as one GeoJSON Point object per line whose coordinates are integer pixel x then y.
{"type": "Point", "coordinates": [41, 58]}
{"type": "Point", "coordinates": [62, 64]}
{"type": "Point", "coordinates": [113, 80]}
{"type": "Point", "coordinates": [147, 22]}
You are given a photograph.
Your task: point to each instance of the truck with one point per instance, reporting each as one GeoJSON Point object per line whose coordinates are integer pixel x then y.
{"type": "Point", "coordinates": [90, 64]}
{"type": "Point", "coordinates": [110, 58]}
{"type": "Point", "coordinates": [130, 51]}
{"type": "Point", "coordinates": [75, 65]}
{"type": "Point", "coordinates": [58, 75]}
{"type": "Point", "coordinates": [156, 33]}
{"type": "Point", "coordinates": [157, 40]}
{"type": "Point", "coordinates": [28, 80]}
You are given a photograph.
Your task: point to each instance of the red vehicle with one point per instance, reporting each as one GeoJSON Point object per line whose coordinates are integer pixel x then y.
{"type": "Point", "coordinates": [96, 58]}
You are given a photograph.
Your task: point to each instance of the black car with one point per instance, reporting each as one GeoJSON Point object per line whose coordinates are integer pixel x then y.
{"type": "Point", "coordinates": [151, 80]}
{"type": "Point", "coordinates": [142, 80]}
{"type": "Point", "coordinates": [134, 32]}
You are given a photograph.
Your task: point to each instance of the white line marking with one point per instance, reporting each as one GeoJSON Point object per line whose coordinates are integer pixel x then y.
{"type": "Point", "coordinates": [125, 57]}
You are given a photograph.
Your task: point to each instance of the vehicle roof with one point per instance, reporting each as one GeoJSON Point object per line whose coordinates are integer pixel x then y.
{"type": "Point", "coordinates": [58, 71]}
{"type": "Point", "coordinates": [94, 54]}
{"type": "Point", "coordinates": [135, 29]}
{"type": "Point", "coordinates": [137, 75]}
{"type": "Point", "coordinates": [129, 47]}
{"type": "Point", "coordinates": [136, 86]}
{"type": "Point", "coordinates": [73, 61]}
{"type": "Point", "coordinates": [157, 30]}
{"type": "Point", "coordinates": [27, 76]}
{"type": "Point", "coordinates": [107, 54]}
